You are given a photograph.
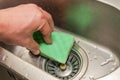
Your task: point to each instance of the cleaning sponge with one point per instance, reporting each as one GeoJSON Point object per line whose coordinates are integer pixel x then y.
{"type": "Point", "coordinates": [59, 49]}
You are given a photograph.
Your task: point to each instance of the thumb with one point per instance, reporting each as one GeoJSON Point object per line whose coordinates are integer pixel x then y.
{"type": "Point", "coordinates": [32, 45]}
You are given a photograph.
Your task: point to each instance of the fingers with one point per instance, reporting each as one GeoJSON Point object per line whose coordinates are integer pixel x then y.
{"type": "Point", "coordinates": [32, 46]}
{"type": "Point", "coordinates": [46, 27]}
{"type": "Point", "coordinates": [46, 32]}
{"type": "Point", "coordinates": [48, 17]}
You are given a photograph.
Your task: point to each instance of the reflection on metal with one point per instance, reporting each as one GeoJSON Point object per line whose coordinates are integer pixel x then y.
{"type": "Point", "coordinates": [107, 61]}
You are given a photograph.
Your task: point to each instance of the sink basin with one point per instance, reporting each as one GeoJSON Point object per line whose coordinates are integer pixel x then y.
{"type": "Point", "coordinates": [94, 56]}
{"type": "Point", "coordinates": [87, 60]}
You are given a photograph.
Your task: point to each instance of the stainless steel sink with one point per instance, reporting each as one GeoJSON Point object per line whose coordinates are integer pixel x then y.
{"type": "Point", "coordinates": [94, 56]}
{"type": "Point", "coordinates": [86, 61]}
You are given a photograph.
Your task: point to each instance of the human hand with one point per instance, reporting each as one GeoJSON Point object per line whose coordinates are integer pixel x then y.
{"type": "Point", "coordinates": [17, 25]}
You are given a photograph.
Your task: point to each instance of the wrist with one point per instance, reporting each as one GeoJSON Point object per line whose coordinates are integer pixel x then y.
{"type": "Point", "coordinates": [2, 23]}
{"type": "Point", "coordinates": [1, 30]}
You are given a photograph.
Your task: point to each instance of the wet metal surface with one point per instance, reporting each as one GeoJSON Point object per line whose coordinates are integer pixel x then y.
{"type": "Point", "coordinates": [103, 28]}
{"type": "Point", "coordinates": [92, 55]}
{"type": "Point", "coordinates": [101, 25]}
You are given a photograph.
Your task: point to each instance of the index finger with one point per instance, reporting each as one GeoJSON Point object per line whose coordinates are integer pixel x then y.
{"type": "Point", "coordinates": [49, 18]}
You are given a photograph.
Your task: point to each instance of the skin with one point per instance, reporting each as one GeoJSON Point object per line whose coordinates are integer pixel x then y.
{"type": "Point", "coordinates": [17, 25]}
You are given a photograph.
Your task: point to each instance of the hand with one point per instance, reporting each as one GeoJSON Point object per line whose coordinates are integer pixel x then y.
{"type": "Point", "coordinates": [17, 25]}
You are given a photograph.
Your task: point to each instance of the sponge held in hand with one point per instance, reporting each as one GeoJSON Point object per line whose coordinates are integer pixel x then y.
{"type": "Point", "coordinates": [60, 47]}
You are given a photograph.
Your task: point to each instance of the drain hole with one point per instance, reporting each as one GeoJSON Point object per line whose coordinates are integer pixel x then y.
{"type": "Point", "coordinates": [65, 71]}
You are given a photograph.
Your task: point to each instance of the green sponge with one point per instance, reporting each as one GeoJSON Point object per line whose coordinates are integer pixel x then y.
{"type": "Point", "coordinates": [59, 49]}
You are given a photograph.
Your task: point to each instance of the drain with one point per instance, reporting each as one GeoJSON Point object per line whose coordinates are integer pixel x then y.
{"type": "Point", "coordinates": [76, 63]}
{"type": "Point", "coordinates": [64, 71]}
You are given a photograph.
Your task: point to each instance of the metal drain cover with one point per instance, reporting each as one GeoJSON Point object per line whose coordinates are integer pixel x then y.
{"type": "Point", "coordinates": [74, 65]}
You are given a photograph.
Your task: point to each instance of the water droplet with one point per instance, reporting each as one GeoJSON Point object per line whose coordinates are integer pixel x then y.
{"type": "Point", "coordinates": [4, 58]}
{"type": "Point", "coordinates": [111, 56]}
{"type": "Point", "coordinates": [111, 59]}
{"type": "Point", "coordinates": [91, 60]}
{"type": "Point", "coordinates": [91, 77]}
{"type": "Point", "coordinates": [112, 69]}
{"type": "Point", "coordinates": [95, 47]}
{"type": "Point", "coordinates": [26, 75]}
{"type": "Point", "coordinates": [95, 57]}
{"type": "Point", "coordinates": [114, 64]}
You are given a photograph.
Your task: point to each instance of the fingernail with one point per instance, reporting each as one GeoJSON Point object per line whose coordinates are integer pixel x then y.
{"type": "Point", "coordinates": [37, 52]}
{"type": "Point", "coordinates": [50, 41]}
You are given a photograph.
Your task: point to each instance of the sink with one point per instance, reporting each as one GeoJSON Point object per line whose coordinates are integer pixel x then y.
{"type": "Point", "coordinates": [94, 56]}
{"type": "Point", "coordinates": [87, 60]}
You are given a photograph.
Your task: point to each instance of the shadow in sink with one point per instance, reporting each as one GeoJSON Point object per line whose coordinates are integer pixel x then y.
{"type": "Point", "coordinates": [23, 54]}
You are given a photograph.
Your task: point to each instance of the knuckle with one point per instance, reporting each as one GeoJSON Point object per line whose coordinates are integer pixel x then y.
{"type": "Point", "coordinates": [40, 16]}
{"type": "Point", "coordinates": [47, 32]}
{"type": "Point", "coordinates": [32, 5]}
{"type": "Point", "coordinates": [43, 16]}
{"type": "Point", "coordinates": [49, 16]}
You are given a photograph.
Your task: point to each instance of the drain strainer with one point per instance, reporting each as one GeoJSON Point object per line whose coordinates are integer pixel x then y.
{"type": "Point", "coordinates": [71, 69]}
